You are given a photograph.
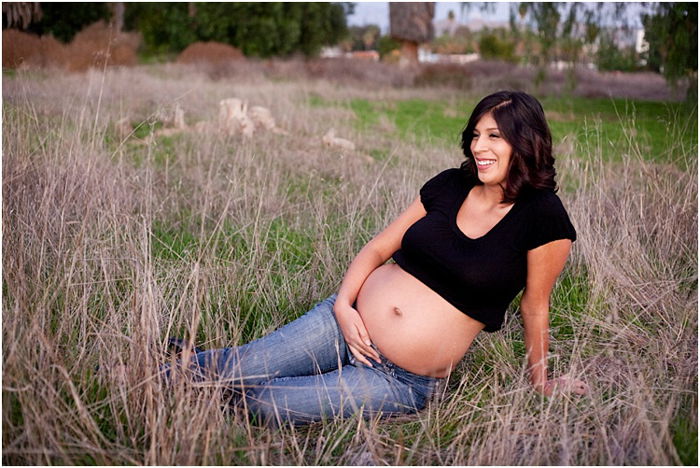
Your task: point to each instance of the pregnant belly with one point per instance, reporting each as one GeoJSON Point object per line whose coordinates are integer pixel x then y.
{"type": "Point", "coordinates": [411, 324]}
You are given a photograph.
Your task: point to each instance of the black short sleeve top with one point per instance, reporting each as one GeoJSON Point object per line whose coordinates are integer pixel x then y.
{"type": "Point", "coordinates": [478, 276]}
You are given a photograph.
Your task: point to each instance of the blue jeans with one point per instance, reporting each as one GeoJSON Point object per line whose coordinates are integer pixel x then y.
{"type": "Point", "coordinates": [304, 372]}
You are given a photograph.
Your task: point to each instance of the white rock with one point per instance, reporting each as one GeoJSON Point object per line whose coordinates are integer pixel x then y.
{"type": "Point", "coordinates": [262, 117]}
{"type": "Point", "coordinates": [247, 126]}
{"type": "Point", "coordinates": [230, 110]}
{"type": "Point", "coordinates": [233, 117]}
{"type": "Point", "coordinates": [331, 140]}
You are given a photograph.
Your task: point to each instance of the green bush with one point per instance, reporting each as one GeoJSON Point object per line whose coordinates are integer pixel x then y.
{"type": "Point", "coordinates": [364, 37]}
{"type": "Point", "coordinates": [492, 47]}
{"type": "Point", "coordinates": [610, 57]}
{"type": "Point", "coordinates": [457, 44]}
{"type": "Point", "coordinates": [385, 45]}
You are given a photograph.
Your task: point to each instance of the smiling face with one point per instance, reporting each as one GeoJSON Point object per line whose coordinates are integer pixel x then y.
{"type": "Point", "coordinates": [491, 152]}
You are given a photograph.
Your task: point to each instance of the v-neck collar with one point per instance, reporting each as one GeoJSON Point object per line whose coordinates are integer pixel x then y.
{"type": "Point", "coordinates": [459, 201]}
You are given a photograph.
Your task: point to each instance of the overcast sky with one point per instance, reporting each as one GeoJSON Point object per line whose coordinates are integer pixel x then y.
{"type": "Point", "coordinates": [378, 13]}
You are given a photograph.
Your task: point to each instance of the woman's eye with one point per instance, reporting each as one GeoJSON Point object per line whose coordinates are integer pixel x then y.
{"type": "Point", "coordinates": [494, 135]}
{"type": "Point", "coordinates": [475, 136]}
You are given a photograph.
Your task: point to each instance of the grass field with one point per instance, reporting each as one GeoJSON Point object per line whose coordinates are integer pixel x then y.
{"type": "Point", "coordinates": [113, 243]}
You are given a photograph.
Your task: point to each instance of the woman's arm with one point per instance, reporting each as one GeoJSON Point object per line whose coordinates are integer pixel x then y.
{"type": "Point", "coordinates": [373, 254]}
{"type": "Point", "coordinates": [544, 264]}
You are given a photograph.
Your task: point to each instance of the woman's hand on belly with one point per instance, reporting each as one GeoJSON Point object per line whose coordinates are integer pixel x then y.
{"type": "Point", "coordinates": [355, 333]}
{"type": "Point", "coordinates": [411, 324]}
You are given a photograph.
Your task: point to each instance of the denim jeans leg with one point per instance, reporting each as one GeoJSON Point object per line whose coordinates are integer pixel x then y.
{"type": "Point", "coordinates": [341, 393]}
{"type": "Point", "coordinates": [311, 344]}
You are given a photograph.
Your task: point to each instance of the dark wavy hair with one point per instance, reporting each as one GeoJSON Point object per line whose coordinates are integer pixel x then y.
{"type": "Point", "coordinates": [521, 122]}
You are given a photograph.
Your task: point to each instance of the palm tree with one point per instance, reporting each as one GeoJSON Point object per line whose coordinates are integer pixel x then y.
{"type": "Point", "coordinates": [411, 24]}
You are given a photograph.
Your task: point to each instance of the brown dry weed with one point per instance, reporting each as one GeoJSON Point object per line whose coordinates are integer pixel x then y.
{"type": "Point", "coordinates": [95, 46]}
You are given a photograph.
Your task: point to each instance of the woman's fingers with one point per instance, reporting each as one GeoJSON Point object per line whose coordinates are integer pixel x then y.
{"type": "Point", "coordinates": [356, 335]}
{"type": "Point", "coordinates": [368, 351]}
{"type": "Point", "coordinates": [359, 356]}
{"type": "Point", "coordinates": [365, 350]}
{"type": "Point", "coordinates": [366, 343]}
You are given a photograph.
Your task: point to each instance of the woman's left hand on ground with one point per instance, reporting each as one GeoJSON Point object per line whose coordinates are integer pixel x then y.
{"type": "Point", "coordinates": [565, 384]}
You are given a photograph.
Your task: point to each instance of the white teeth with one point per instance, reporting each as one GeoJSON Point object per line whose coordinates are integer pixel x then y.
{"type": "Point", "coordinates": [484, 163]}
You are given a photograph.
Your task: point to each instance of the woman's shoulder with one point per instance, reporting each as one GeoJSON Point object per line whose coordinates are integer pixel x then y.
{"type": "Point", "coordinates": [543, 200]}
{"type": "Point", "coordinates": [546, 219]}
{"type": "Point", "coordinates": [448, 178]}
{"type": "Point", "coordinates": [444, 186]}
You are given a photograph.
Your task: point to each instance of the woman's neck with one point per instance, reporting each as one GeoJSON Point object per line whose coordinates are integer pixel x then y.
{"type": "Point", "coordinates": [490, 194]}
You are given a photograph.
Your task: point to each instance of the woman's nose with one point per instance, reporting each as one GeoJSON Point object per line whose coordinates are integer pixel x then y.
{"type": "Point", "coordinates": [478, 144]}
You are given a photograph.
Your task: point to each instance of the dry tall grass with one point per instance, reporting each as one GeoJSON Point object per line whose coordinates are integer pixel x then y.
{"type": "Point", "coordinates": [110, 246]}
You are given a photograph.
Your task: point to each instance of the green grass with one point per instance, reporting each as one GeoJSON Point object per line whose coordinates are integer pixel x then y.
{"type": "Point", "coordinates": [173, 241]}
{"type": "Point", "coordinates": [685, 439]}
{"type": "Point", "coordinates": [658, 129]}
{"type": "Point", "coordinates": [424, 121]}
{"type": "Point", "coordinates": [163, 151]}
{"type": "Point", "coordinates": [571, 299]}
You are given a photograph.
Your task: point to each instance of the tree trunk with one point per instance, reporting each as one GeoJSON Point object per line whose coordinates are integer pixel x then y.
{"type": "Point", "coordinates": [409, 54]}
{"type": "Point", "coordinates": [118, 16]}
{"type": "Point", "coordinates": [21, 14]}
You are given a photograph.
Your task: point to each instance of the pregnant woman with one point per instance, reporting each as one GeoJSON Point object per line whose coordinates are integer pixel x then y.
{"type": "Point", "coordinates": [474, 238]}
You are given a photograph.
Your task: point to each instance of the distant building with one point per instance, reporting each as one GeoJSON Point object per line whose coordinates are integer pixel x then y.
{"type": "Point", "coordinates": [641, 46]}
{"type": "Point", "coordinates": [336, 52]}
{"type": "Point", "coordinates": [459, 58]}
{"type": "Point", "coordinates": [372, 55]}
{"type": "Point", "coordinates": [331, 52]}
{"type": "Point", "coordinates": [425, 55]}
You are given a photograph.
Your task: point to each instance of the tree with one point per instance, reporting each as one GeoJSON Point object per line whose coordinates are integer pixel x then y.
{"type": "Point", "coordinates": [545, 17]}
{"type": "Point", "coordinates": [364, 37]}
{"type": "Point", "coordinates": [258, 29]}
{"type": "Point", "coordinates": [165, 27]}
{"type": "Point", "coordinates": [672, 34]}
{"type": "Point", "coordinates": [562, 30]}
{"type": "Point", "coordinates": [611, 57]}
{"type": "Point", "coordinates": [411, 23]}
{"type": "Point", "coordinates": [118, 16]}
{"type": "Point", "coordinates": [65, 20]}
